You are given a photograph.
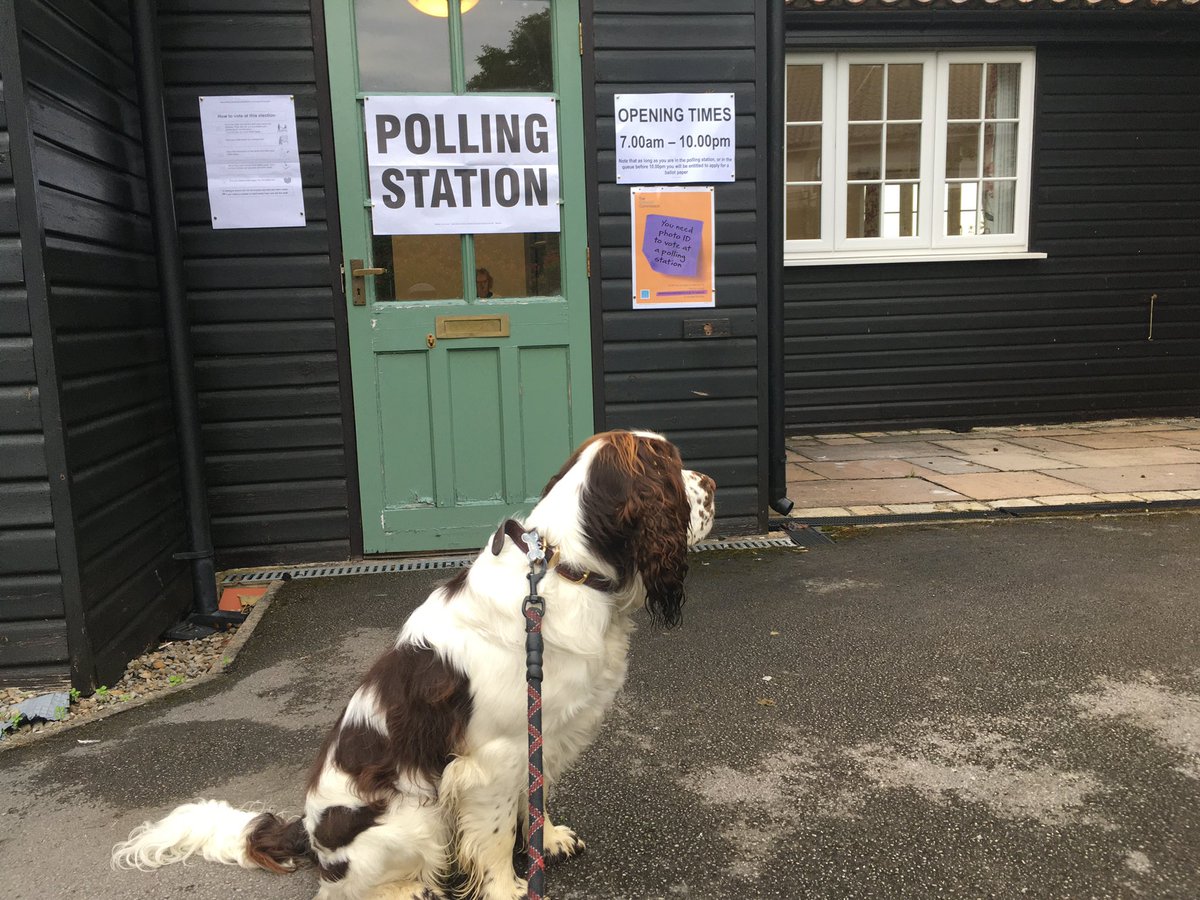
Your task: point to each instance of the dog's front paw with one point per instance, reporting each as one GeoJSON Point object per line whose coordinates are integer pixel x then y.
{"type": "Point", "coordinates": [560, 842]}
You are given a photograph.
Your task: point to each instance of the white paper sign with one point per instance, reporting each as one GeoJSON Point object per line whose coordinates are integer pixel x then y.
{"type": "Point", "coordinates": [451, 165]}
{"type": "Point", "coordinates": [674, 138]}
{"type": "Point", "coordinates": [252, 161]}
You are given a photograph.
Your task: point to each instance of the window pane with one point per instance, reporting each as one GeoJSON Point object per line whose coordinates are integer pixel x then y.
{"type": "Point", "coordinates": [962, 151]}
{"type": "Point", "coordinates": [904, 151]}
{"type": "Point", "coordinates": [803, 212]}
{"type": "Point", "coordinates": [864, 151]}
{"type": "Point", "coordinates": [517, 265]}
{"type": "Point", "coordinates": [900, 210]}
{"type": "Point", "coordinates": [389, 31]}
{"type": "Point", "coordinates": [965, 90]}
{"type": "Point", "coordinates": [506, 45]}
{"type": "Point", "coordinates": [999, 207]}
{"type": "Point", "coordinates": [1003, 83]}
{"type": "Point", "coordinates": [862, 210]}
{"type": "Point", "coordinates": [962, 210]}
{"type": "Point", "coordinates": [1000, 148]}
{"type": "Point", "coordinates": [804, 153]}
{"type": "Point", "coordinates": [866, 93]}
{"type": "Point", "coordinates": [904, 91]}
{"type": "Point", "coordinates": [420, 266]}
{"type": "Point", "coordinates": [804, 93]}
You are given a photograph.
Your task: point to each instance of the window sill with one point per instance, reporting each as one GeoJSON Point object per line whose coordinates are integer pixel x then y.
{"type": "Point", "coordinates": [858, 259]}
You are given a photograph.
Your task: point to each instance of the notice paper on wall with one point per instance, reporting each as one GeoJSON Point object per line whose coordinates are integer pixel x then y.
{"type": "Point", "coordinates": [673, 244]}
{"type": "Point", "coordinates": [462, 165]}
{"type": "Point", "coordinates": [674, 138]}
{"type": "Point", "coordinates": [252, 161]}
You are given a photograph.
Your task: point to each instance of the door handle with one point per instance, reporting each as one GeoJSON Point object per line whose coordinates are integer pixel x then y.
{"type": "Point", "coordinates": [358, 284]}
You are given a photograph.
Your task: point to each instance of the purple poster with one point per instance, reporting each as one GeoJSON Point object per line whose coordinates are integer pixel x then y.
{"type": "Point", "coordinates": [671, 244]}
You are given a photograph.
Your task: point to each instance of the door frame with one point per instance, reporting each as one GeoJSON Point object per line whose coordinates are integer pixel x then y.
{"type": "Point", "coordinates": [333, 21]}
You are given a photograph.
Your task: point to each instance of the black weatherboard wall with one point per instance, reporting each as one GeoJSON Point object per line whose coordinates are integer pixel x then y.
{"type": "Point", "coordinates": [708, 395]}
{"type": "Point", "coordinates": [1116, 185]}
{"type": "Point", "coordinates": [31, 600]}
{"type": "Point", "coordinates": [97, 333]}
{"type": "Point", "coordinates": [265, 304]}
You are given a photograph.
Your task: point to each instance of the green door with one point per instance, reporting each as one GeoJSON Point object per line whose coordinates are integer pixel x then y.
{"type": "Point", "coordinates": [470, 353]}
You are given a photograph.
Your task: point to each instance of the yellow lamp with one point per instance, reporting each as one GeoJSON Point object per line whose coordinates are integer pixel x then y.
{"type": "Point", "coordinates": [440, 8]}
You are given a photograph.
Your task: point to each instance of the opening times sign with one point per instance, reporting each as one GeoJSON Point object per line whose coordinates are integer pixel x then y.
{"type": "Point", "coordinates": [462, 165]}
{"type": "Point", "coordinates": [674, 138]}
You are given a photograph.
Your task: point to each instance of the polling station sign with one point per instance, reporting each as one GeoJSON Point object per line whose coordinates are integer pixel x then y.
{"type": "Point", "coordinates": [674, 138]}
{"type": "Point", "coordinates": [673, 247]}
{"type": "Point", "coordinates": [462, 165]}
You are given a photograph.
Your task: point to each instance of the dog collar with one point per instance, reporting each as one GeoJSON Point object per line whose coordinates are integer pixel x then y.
{"type": "Point", "coordinates": [532, 545]}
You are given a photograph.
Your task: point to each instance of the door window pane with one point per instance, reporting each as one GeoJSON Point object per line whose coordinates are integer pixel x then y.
{"type": "Point", "coordinates": [964, 90]}
{"type": "Point", "coordinates": [401, 48]}
{"type": "Point", "coordinates": [865, 151]}
{"type": "Point", "coordinates": [803, 216]}
{"type": "Point", "coordinates": [506, 46]}
{"type": "Point", "coordinates": [900, 210]}
{"type": "Point", "coordinates": [962, 151]}
{"type": "Point", "coordinates": [419, 266]}
{"type": "Point", "coordinates": [804, 153]}
{"type": "Point", "coordinates": [1000, 148]}
{"type": "Point", "coordinates": [866, 93]}
{"type": "Point", "coordinates": [804, 93]}
{"type": "Point", "coordinates": [517, 265]}
{"type": "Point", "coordinates": [1003, 82]}
{"type": "Point", "coordinates": [862, 210]}
{"type": "Point", "coordinates": [904, 91]}
{"type": "Point", "coordinates": [903, 151]}
{"type": "Point", "coordinates": [999, 206]}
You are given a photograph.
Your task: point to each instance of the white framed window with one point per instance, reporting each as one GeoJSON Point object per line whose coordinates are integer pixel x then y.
{"type": "Point", "coordinates": [907, 155]}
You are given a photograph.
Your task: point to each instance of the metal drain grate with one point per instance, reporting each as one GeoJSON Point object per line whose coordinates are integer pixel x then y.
{"type": "Point", "coordinates": [444, 562]}
{"type": "Point", "coordinates": [331, 571]}
{"type": "Point", "coordinates": [745, 544]}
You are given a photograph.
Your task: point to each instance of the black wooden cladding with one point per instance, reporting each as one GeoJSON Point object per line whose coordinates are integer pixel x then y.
{"type": "Point", "coordinates": [108, 346]}
{"type": "Point", "coordinates": [261, 300]}
{"type": "Point", "coordinates": [33, 629]}
{"type": "Point", "coordinates": [705, 394]}
{"type": "Point", "coordinates": [1116, 183]}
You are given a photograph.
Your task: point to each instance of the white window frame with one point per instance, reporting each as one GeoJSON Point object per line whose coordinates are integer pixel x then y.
{"type": "Point", "coordinates": [931, 243]}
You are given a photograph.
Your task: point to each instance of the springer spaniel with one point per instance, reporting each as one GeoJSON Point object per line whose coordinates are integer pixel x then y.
{"type": "Point", "coordinates": [427, 765]}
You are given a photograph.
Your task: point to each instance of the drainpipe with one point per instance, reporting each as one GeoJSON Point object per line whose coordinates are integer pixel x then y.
{"type": "Point", "coordinates": [148, 63]}
{"type": "Point", "coordinates": [776, 451]}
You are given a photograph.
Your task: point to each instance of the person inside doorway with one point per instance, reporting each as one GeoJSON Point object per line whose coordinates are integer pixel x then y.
{"type": "Point", "coordinates": [483, 283]}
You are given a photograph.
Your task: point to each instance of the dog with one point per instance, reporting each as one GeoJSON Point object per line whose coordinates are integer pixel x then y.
{"type": "Point", "coordinates": [426, 770]}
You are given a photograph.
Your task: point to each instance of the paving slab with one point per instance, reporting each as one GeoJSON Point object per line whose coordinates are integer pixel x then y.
{"type": "Point", "coordinates": [1006, 709]}
{"type": "Point", "coordinates": [1136, 479]}
{"type": "Point", "coordinates": [1016, 461]}
{"type": "Point", "coordinates": [1005, 485]}
{"type": "Point", "coordinates": [1116, 440]}
{"type": "Point", "coordinates": [872, 491]}
{"type": "Point", "coordinates": [896, 450]}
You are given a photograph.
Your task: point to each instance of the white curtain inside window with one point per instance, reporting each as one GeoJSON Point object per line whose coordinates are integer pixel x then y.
{"type": "Point", "coordinates": [1002, 92]}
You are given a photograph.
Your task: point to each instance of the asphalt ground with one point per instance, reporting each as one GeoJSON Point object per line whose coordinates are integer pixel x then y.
{"type": "Point", "coordinates": [1005, 709]}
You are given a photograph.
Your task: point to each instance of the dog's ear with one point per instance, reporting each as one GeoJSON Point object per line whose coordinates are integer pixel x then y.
{"type": "Point", "coordinates": [660, 547]}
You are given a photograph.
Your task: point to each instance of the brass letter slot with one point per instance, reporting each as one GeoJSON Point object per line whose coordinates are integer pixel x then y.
{"type": "Point", "coordinates": [471, 326]}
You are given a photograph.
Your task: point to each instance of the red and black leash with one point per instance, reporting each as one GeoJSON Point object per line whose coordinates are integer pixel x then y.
{"type": "Point", "coordinates": [534, 608]}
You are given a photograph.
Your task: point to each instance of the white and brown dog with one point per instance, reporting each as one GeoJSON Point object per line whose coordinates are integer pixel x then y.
{"type": "Point", "coordinates": [426, 768]}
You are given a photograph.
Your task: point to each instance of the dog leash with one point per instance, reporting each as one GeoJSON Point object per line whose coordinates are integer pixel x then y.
{"type": "Point", "coordinates": [534, 608]}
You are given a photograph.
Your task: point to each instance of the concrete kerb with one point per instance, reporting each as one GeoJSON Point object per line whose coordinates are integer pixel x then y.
{"type": "Point", "coordinates": [230, 653]}
{"type": "Point", "coordinates": [1002, 514]}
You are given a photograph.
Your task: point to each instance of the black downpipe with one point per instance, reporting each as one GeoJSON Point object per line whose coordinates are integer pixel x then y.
{"type": "Point", "coordinates": [161, 188]}
{"type": "Point", "coordinates": [776, 451]}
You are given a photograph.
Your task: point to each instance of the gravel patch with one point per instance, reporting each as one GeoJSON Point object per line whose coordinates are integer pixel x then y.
{"type": "Point", "coordinates": [165, 668]}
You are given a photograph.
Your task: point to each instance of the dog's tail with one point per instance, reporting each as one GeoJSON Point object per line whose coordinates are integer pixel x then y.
{"type": "Point", "coordinates": [220, 833]}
